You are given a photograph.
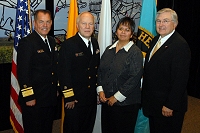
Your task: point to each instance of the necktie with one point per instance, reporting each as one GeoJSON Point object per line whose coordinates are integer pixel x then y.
{"type": "Point", "coordinates": [156, 47]}
{"type": "Point", "coordinates": [47, 44]}
{"type": "Point", "coordinates": [89, 49]}
{"type": "Point", "coordinates": [89, 46]}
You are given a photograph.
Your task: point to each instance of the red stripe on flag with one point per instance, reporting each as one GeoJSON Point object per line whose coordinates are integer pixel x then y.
{"type": "Point", "coordinates": [14, 69]}
{"type": "Point", "coordinates": [14, 96]}
{"type": "Point", "coordinates": [16, 126]}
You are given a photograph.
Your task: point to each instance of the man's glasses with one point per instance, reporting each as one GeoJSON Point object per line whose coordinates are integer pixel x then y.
{"type": "Point", "coordinates": [165, 21]}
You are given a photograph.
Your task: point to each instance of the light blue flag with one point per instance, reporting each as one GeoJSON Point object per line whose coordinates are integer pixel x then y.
{"type": "Point", "coordinates": [146, 29]}
{"type": "Point", "coordinates": [145, 34]}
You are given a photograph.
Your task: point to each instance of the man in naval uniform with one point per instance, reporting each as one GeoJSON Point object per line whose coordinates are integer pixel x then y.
{"type": "Point", "coordinates": [78, 63]}
{"type": "Point", "coordinates": [36, 71]}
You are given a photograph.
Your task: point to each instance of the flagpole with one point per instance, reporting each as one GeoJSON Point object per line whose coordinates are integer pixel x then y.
{"type": "Point", "coordinates": [29, 14]}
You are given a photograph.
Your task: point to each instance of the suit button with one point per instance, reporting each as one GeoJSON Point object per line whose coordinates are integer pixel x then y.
{"type": "Point", "coordinates": [88, 68]}
{"type": "Point", "coordinates": [96, 75]}
{"type": "Point", "coordinates": [96, 67]}
{"type": "Point", "coordinates": [52, 83]}
{"type": "Point", "coordinates": [88, 86]}
{"type": "Point", "coordinates": [89, 77]}
{"type": "Point", "coordinates": [52, 73]}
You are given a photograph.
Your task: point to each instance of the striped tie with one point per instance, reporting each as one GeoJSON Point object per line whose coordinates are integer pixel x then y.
{"type": "Point", "coordinates": [156, 47]}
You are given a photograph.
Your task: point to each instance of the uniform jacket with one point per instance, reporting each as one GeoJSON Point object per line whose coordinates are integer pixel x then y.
{"type": "Point", "coordinates": [77, 72]}
{"type": "Point", "coordinates": [36, 70]}
{"type": "Point", "coordinates": [165, 76]}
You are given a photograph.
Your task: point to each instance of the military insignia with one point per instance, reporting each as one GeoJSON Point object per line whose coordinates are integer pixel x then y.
{"type": "Point", "coordinates": [25, 86]}
{"type": "Point", "coordinates": [79, 54]}
{"type": "Point", "coordinates": [97, 51]}
{"type": "Point", "coordinates": [40, 51]}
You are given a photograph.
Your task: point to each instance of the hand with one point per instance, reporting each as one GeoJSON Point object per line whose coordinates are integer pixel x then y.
{"type": "Point", "coordinates": [70, 105]}
{"type": "Point", "coordinates": [167, 112]}
{"type": "Point", "coordinates": [102, 97]}
{"type": "Point", "coordinates": [111, 100]}
{"type": "Point", "coordinates": [31, 103]}
{"type": "Point", "coordinates": [98, 100]}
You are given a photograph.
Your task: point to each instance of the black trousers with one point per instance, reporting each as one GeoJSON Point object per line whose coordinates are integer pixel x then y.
{"type": "Point", "coordinates": [162, 124]}
{"type": "Point", "coordinates": [37, 119]}
{"type": "Point", "coordinates": [119, 119]}
{"type": "Point", "coordinates": [81, 119]}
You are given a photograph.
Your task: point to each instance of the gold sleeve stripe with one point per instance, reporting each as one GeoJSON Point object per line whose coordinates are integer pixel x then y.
{"type": "Point", "coordinates": [68, 93]}
{"type": "Point", "coordinates": [26, 89]}
{"type": "Point", "coordinates": [67, 90]}
{"type": "Point", "coordinates": [28, 92]}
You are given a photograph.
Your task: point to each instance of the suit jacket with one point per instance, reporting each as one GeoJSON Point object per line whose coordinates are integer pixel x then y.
{"type": "Point", "coordinates": [36, 70]}
{"type": "Point", "coordinates": [165, 76]}
{"type": "Point", "coordinates": [77, 71]}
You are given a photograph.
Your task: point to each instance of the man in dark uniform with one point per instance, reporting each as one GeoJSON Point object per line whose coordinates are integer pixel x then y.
{"type": "Point", "coordinates": [78, 63]}
{"type": "Point", "coordinates": [36, 71]}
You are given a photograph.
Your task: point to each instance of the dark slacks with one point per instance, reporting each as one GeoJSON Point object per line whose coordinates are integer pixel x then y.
{"type": "Point", "coordinates": [81, 119]}
{"type": "Point", "coordinates": [119, 119]}
{"type": "Point", "coordinates": [162, 124]}
{"type": "Point", "coordinates": [38, 119]}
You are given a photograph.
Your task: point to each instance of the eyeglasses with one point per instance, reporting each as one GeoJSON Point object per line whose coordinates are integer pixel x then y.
{"type": "Point", "coordinates": [165, 21]}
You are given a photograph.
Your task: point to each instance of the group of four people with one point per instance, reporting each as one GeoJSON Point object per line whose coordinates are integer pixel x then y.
{"type": "Point", "coordinates": [115, 78]}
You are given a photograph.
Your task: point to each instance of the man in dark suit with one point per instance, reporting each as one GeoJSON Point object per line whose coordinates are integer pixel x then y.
{"type": "Point", "coordinates": [36, 71]}
{"type": "Point", "coordinates": [78, 63]}
{"type": "Point", "coordinates": [166, 71]}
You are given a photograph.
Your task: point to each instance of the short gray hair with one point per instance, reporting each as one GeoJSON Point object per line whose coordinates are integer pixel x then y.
{"type": "Point", "coordinates": [174, 15]}
{"type": "Point", "coordinates": [79, 16]}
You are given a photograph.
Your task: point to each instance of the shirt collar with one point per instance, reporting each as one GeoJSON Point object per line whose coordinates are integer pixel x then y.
{"type": "Point", "coordinates": [42, 36]}
{"type": "Point", "coordinates": [84, 39]}
{"type": "Point", "coordinates": [164, 39]}
{"type": "Point", "coordinates": [126, 47]}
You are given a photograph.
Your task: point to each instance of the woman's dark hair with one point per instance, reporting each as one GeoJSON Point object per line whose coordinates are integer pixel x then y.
{"type": "Point", "coordinates": [128, 22]}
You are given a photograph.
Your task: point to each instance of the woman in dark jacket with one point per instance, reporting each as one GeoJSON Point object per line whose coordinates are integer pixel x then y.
{"type": "Point", "coordinates": [119, 77]}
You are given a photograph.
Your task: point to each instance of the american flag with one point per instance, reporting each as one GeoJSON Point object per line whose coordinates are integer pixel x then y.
{"type": "Point", "coordinates": [22, 29]}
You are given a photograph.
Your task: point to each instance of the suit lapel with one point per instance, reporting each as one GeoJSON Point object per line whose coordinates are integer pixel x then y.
{"type": "Point", "coordinates": [147, 61]}
{"type": "Point", "coordinates": [95, 47]}
{"type": "Point", "coordinates": [160, 51]}
{"type": "Point", "coordinates": [53, 46]}
{"type": "Point", "coordinates": [43, 44]}
{"type": "Point", "coordinates": [82, 46]}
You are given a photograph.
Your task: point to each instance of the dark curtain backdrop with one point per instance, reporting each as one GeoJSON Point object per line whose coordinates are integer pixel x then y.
{"type": "Point", "coordinates": [5, 73]}
{"type": "Point", "coordinates": [188, 27]}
